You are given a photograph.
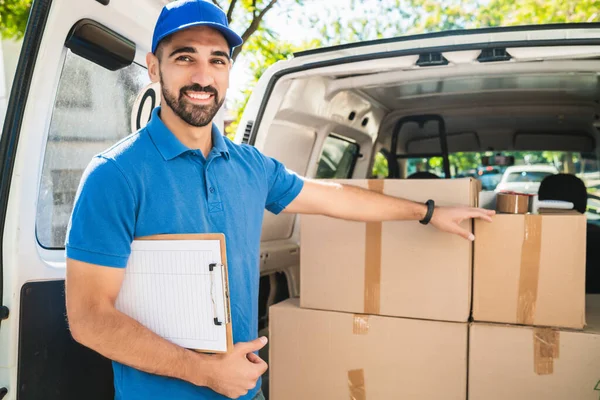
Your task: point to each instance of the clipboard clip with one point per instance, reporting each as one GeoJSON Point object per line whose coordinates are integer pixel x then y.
{"type": "Point", "coordinates": [211, 268]}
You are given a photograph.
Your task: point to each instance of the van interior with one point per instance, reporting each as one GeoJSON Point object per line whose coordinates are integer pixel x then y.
{"type": "Point", "coordinates": [510, 118]}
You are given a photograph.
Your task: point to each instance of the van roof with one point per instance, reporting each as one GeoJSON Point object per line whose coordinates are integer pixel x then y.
{"type": "Point", "coordinates": [450, 33]}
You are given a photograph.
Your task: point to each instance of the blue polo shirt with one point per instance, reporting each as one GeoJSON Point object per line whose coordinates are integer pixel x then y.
{"type": "Point", "coordinates": [150, 183]}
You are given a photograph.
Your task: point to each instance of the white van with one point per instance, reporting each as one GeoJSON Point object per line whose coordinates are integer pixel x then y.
{"type": "Point", "coordinates": [411, 104]}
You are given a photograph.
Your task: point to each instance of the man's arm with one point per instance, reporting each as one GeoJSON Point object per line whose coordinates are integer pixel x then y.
{"type": "Point", "coordinates": [358, 204]}
{"type": "Point", "coordinates": [91, 292]}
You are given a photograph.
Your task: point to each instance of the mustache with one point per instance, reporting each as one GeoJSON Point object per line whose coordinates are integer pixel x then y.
{"type": "Point", "coordinates": [198, 88]}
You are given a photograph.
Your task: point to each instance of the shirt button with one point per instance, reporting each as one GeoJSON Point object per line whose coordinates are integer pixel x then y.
{"type": "Point", "coordinates": [212, 190]}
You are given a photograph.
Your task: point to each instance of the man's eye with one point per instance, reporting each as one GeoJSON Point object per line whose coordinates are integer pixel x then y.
{"type": "Point", "coordinates": [184, 58]}
{"type": "Point", "coordinates": [219, 61]}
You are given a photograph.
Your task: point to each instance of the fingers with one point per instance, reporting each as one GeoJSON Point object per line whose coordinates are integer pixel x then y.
{"type": "Point", "coordinates": [462, 232]}
{"type": "Point", "coordinates": [251, 347]}
{"type": "Point", "coordinates": [253, 358]}
{"type": "Point", "coordinates": [260, 364]}
{"type": "Point", "coordinates": [481, 214]}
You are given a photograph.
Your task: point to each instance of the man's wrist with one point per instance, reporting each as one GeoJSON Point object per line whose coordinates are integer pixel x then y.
{"type": "Point", "coordinates": [430, 208]}
{"type": "Point", "coordinates": [196, 368]}
{"type": "Point", "coordinates": [420, 211]}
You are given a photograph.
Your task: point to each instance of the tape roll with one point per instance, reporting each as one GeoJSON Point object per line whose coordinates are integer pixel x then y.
{"type": "Point", "coordinates": [512, 203]}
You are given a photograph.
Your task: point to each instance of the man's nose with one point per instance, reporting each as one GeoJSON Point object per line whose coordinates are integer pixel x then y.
{"type": "Point", "coordinates": [202, 75]}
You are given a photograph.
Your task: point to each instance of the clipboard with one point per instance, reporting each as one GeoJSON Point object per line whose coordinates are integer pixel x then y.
{"type": "Point", "coordinates": [177, 286]}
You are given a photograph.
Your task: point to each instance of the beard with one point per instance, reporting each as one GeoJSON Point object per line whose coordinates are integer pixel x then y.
{"type": "Point", "coordinates": [192, 114]}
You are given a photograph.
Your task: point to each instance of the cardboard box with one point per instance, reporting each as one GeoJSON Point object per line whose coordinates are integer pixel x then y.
{"type": "Point", "coordinates": [335, 356]}
{"type": "Point", "coordinates": [399, 268]}
{"type": "Point", "coordinates": [524, 363]}
{"type": "Point", "coordinates": [530, 269]}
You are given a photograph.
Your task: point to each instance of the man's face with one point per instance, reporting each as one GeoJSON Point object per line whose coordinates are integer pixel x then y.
{"type": "Point", "coordinates": [193, 68]}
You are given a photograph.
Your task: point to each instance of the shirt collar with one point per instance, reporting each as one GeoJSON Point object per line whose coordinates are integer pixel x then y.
{"type": "Point", "coordinates": [170, 147]}
{"type": "Point", "coordinates": [218, 141]}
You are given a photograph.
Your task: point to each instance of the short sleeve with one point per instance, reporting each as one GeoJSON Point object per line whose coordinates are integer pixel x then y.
{"type": "Point", "coordinates": [102, 223]}
{"type": "Point", "coordinates": [284, 185]}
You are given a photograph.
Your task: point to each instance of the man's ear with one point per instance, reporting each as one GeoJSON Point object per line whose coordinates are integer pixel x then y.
{"type": "Point", "coordinates": [153, 67]}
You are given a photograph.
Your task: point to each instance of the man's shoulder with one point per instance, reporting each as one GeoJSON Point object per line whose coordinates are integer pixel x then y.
{"type": "Point", "coordinates": [243, 150]}
{"type": "Point", "coordinates": [119, 160]}
{"type": "Point", "coordinates": [129, 148]}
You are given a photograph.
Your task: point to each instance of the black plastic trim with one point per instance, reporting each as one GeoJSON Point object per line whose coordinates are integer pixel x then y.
{"type": "Point", "coordinates": [394, 168]}
{"type": "Point", "coordinates": [95, 42]}
{"type": "Point", "coordinates": [399, 53]}
{"type": "Point", "coordinates": [431, 60]}
{"type": "Point", "coordinates": [103, 2]}
{"type": "Point", "coordinates": [4, 313]}
{"type": "Point", "coordinates": [247, 131]}
{"type": "Point", "coordinates": [51, 364]}
{"type": "Point", "coordinates": [458, 32]}
{"type": "Point", "coordinates": [494, 55]}
{"type": "Point", "coordinates": [19, 95]}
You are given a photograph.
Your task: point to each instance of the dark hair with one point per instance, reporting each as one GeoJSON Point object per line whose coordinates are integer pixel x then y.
{"type": "Point", "coordinates": [159, 48]}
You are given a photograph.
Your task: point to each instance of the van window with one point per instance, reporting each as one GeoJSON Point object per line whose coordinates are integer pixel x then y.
{"type": "Point", "coordinates": [91, 112]}
{"type": "Point", "coordinates": [530, 168]}
{"type": "Point", "coordinates": [380, 166]}
{"type": "Point", "coordinates": [338, 158]}
{"type": "Point", "coordinates": [431, 165]}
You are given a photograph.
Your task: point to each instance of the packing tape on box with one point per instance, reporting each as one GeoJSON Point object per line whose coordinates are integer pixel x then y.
{"type": "Point", "coordinates": [356, 384]}
{"type": "Point", "coordinates": [361, 324]}
{"type": "Point", "coordinates": [373, 258]}
{"type": "Point", "coordinates": [512, 203]}
{"type": "Point", "coordinates": [546, 342]}
{"type": "Point", "coordinates": [530, 269]}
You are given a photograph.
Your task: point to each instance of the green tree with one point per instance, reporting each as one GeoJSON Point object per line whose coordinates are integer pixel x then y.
{"type": "Point", "coordinates": [13, 18]}
{"type": "Point", "coordinates": [247, 16]}
{"type": "Point", "coordinates": [530, 12]}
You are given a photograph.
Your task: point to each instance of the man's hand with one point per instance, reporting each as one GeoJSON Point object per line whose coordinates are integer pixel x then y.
{"type": "Point", "coordinates": [448, 219]}
{"type": "Point", "coordinates": [237, 372]}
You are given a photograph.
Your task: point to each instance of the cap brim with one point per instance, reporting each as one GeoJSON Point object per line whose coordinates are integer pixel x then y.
{"type": "Point", "coordinates": [232, 38]}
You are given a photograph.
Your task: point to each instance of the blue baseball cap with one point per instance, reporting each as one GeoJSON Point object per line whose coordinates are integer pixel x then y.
{"type": "Point", "coordinates": [183, 14]}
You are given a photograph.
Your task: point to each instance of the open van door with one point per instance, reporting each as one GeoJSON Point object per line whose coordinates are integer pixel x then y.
{"type": "Point", "coordinates": [81, 67]}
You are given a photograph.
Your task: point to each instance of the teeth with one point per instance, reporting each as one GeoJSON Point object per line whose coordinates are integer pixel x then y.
{"type": "Point", "coordinates": [199, 96]}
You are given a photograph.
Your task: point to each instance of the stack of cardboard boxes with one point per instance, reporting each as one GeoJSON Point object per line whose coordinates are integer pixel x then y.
{"type": "Point", "coordinates": [392, 310]}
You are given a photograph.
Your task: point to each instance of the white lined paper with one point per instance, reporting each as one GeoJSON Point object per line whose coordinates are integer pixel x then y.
{"type": "Point", "coordinates": [167, 288]}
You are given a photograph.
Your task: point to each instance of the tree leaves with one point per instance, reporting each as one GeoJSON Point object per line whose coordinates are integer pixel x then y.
{"type": "Point", "coordinates": [357, 21]}
{"type": "Point", "coordinates": [13, 18]}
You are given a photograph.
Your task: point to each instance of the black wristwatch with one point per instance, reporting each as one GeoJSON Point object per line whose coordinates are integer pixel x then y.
{"type": "Point", "coordinates": [430, 207]}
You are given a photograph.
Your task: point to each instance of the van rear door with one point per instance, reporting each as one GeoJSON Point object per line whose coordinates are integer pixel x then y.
{"type": "Point", "coordinates": [80, 70]}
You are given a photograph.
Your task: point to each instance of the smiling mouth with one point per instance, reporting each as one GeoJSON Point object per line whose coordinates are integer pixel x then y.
{"type": "Point", "coordinates": [199, 96]}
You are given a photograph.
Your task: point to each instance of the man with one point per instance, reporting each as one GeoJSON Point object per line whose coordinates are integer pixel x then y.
{"type": "Point", "coordinates": [180, 175]}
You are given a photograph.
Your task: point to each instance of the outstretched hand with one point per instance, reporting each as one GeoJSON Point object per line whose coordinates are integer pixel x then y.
{"type": "Point", "coordinates": [448, 219]}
